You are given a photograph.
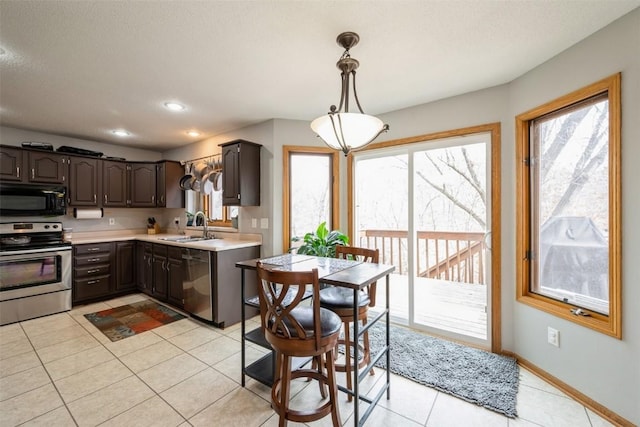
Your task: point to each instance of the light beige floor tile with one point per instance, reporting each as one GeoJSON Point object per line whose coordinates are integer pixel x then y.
{"type": "Point", "coordinates": [81, 310]}
{"type": "Point", "coordinates": [466, 414]}
{"type": "Point", "coordinates": [231, 365]}
{"type": "Point", "coordinates": [530, 379]}
{"type": "Point", "coordinates": [110, 401]}
{"type": "Point", "coordinates": [408, 398]}
{"type": "Point", "coordinates": [127, 299]}
{"type": "Point", "coordinates": [175, 328]}
{"type": "Point", "coordinates": [57, 418]}
{"type": "Point", "coordinates": [216, 350]}
{"type": "Point", "coordinates": [83, 383]}
{"type": "Point", "coordinates": [59, 336]}
{"type": "Point", "coordinates": [29, 405]}
{"type": "Point", "coordinates": [153, 412]}
{"type": "Point", "coordinates": [194, 338]}
{"type": "Point", "coordinates": [274, 422]}
{"type": "Point", "coordinates": [239, 408]}
{"type": "Point", "coordinates": [197, 392]}
{"type": "Point", "coordinates": [47, 324]}
{"type": "Point", "coordinates": [549, 409]}
{"type": "Point", "coordinates": [67, 348]}
{"type": "Point", "coordinates": [19, 363]}
{"type": "Point", "coordinates": [597, 420]}
{"type": "Point", "coordinates": [131, 344]}
{"type": "Point", "coordinates": [150, 356]}
{"type": "Point", "coordinates": [519, 422]}
{"type": "Point", "coordinates": [11, 332]}
{"type": "Point", "coordinates": [22, 382]}
{"type": "Point", "coordinates": [19, 345]}
{"type": "Point", "coordinates": [170, 372]}
{"type": "Point", "coordinates": [78, 362]}
{"type": "Point", "coordinates": [380, 417]}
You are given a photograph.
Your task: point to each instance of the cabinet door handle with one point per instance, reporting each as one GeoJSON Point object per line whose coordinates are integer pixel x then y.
{"type": "Point", "coordinates": [18, 171]}
{"type": "Point", "coordinates": [95, 199]}
{"type": "Point", "coordinates": [93, 282]}
{"type": "Point", "coordinates": [162, 199]}
{"type": "Point", "coordinates": [164, 265]}
{"type": "Point", "coordinates": [93, 249]}
{"type": "Point", "coordinates": [93, 271]}
{"type": "Point", "coordinates": [105, 199]}
{"type": "Point", "coordinates": [33, 173]}
{"type": "Point", "coordinates": [93, 259]}
{"type": "Point", "coordinates": [168, 267]}
{"type": "Point", "coordinates": [153, 199]}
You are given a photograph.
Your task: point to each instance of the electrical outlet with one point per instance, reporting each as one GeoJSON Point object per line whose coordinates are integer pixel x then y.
{"type": "Point", "coordinates": [176, 220]}
{"type": "Point", "coordinates": [254, 222]}
{"type": "Point", "coordinates": [264, 223]}
{"type": "Point", "coordinates": [553, 336]}
{"type": "Point", "coordinates": [112, 221]}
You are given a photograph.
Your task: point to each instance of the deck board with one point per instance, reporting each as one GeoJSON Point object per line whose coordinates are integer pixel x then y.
{"type": "Point", "coordinates": [459, 308]}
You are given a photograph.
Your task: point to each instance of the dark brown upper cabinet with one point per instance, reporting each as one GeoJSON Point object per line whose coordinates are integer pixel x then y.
{"type": "Point", "coordinates": [241, 173]}
{"type": "Point", "coordinates": [32, 166]}
{"type": "Point", "coordinates": [45, 167]}
{"type": "Point", "coordinates": [11, 168]}
{"type": "Point", "coordinates": [115, 184]}
{"type": "Point", "coordinates": [84, 181]}
{"type": "Point", "coordinates": [168, 191]}
{"type": "Point", "coordinates": [142, 185]}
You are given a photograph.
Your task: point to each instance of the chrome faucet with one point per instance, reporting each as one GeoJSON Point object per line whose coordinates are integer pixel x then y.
{"type": "Point", "coordinates": [205, 230]}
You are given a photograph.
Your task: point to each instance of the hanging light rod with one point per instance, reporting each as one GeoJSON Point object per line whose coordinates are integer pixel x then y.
{"type": "Point", "coordinates": [340, 129]}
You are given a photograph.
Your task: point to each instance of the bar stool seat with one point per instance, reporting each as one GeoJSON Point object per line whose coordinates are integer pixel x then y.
{"type": "Point", "coordinates": [299, 331]}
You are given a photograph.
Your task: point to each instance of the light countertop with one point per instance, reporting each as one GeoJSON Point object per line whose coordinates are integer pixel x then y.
{"type": "Point", "coordinates": [227, 242]}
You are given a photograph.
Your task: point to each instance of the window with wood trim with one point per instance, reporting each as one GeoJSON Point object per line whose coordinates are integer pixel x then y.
{"type": "Point", "coordinates": [569, 209]}
{"type": "Point", "coordinates": [310, 191]}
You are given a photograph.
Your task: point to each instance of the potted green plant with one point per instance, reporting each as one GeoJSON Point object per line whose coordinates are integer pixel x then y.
{"type": "Point", "coordinates": [322, 243]}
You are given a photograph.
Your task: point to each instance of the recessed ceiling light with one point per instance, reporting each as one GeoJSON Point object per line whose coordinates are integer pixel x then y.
{"type": "Point", "coordinates": [120, 132]}
{"type": "Point", "coordinates": [174, 106]}
{"type": "Point", "coordinates": [193, 133]}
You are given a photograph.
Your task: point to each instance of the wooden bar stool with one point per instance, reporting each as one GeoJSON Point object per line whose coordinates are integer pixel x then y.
{"type": "Point", "coordinates": [340, 301]}
{"type": "Point", "coordinates": [296, 330]}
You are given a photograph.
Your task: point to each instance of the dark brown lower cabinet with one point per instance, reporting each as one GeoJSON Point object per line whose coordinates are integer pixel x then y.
{"type": "Point", "coordinates": [125, 266]}
{"type": "Point", "coordinates": [144, 268]}
{"type": "Point", "coordinates": [92, 273]}
{"type": "Point", "coordinates": [166, 281]}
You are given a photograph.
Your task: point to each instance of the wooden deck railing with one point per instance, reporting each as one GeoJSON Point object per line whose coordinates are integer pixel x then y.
{"type": "Point", "coordinates": [447, 255]}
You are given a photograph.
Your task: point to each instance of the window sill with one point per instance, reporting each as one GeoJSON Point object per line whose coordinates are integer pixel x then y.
{"type": "Point", "coordinates": [596, 321]}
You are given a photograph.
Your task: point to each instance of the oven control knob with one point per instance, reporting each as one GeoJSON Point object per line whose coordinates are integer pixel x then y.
{"type": "Point", "coordinates": [46, 227]}
{"type": "Point", "coordinates": [55, 225]}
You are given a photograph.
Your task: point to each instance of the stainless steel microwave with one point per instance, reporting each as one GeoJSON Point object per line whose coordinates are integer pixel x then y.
{"type": "Point", "coordinates": [32, 200]}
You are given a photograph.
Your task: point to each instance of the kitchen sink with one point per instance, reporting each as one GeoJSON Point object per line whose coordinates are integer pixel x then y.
{"type": "Point", "coordinates": [185, 239]}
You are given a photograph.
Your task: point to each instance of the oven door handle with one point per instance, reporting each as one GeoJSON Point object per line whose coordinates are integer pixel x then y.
{"type": "Point", "coordinates": [58, 250]}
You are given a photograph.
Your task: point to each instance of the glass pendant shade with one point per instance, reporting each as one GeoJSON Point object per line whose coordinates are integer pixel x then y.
{"type": "Point", "coordinates": [340, 129]}
{"type": "Point", "coordinates": [347, 131]}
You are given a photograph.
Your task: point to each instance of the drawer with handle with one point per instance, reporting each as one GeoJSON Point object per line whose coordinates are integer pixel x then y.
{"type": "Point", "coordinates": [91, 287]}
{"type": "Point", "coordinates": [94, 259]}
{"type": "Point", "coordinates": [93, 248]}
{"type": "Point", "coordinates": [92, 271]}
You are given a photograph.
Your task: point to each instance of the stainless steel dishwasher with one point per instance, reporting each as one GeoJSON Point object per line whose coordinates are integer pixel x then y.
{"type": "Point", "coordinates": [196, 284]}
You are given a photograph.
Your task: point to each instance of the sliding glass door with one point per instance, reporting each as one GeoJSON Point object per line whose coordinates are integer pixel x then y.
{"type": "Point", "coordinates": [426, 206]}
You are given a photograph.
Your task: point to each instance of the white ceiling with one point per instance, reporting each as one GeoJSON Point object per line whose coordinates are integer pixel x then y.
{"type": "Point", "coordinates": [84, 68]}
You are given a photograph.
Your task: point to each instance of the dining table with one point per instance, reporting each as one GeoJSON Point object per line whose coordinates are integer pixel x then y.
{"type": "Point", "coordinates": [351, 274]}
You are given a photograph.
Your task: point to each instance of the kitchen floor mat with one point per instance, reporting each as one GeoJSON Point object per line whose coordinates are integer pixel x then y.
{"type": "Point", "coordinates": [131, 319]}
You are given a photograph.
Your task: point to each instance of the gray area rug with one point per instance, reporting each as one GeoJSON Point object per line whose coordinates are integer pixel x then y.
{"type": "Point", "coordinates": [477, 376]}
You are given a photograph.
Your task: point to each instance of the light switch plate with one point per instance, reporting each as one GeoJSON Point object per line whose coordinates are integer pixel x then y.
{"type": "Point", "coordinates": [254, 222]}
{"type": "Point", "coordinates": [264, 223]}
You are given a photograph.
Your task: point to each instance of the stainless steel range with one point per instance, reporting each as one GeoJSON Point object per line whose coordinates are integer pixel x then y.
{"type": "Point", "coordinates": [35, 271]}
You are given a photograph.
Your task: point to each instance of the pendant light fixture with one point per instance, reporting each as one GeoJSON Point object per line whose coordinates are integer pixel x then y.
{"type": "Point", "coordinates": [340, 129]}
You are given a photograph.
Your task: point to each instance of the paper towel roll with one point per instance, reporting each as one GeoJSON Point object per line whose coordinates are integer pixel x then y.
{"type": "Point", "coordinates": [87, 213]}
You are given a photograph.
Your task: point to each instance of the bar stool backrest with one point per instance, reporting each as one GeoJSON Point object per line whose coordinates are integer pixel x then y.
{"type": "Point", "coordinates": [361, 254]}
{"type": "Point", "coordinates": [280, 294]}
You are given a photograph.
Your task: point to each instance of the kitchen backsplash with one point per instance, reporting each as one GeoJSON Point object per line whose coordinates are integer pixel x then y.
{"type": "Point", "coordinates": [123, 219]}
